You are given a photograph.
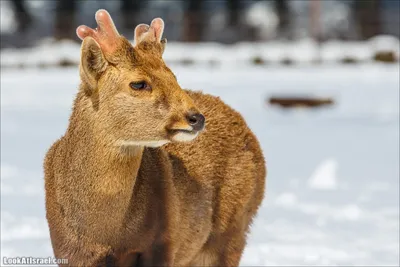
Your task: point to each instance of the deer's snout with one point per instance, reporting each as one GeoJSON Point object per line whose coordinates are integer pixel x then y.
{"type": "Point", "coordinates": [196, 120]}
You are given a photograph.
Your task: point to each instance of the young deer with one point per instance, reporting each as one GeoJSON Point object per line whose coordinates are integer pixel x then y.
{"type": "Point", "coordinates": [124, 188]}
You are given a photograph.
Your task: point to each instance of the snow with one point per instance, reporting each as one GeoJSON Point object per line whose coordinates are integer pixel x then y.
{"type": "Point", "coordinates": [324, 177]}
{"type": "Point", "coordinates": [332, 195]}
{"type": "Point", "coordinates": [49, 52]}
{"type": "Point", "coordinates": [385, 43]}
{"type": "Point", "coordinates": [286, 199]}
{"type": "Point", "coordinates": [261, 16]}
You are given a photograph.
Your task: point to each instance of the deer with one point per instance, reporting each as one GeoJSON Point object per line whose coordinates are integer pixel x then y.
{"type": "Point", "coordinates": [148, 173]}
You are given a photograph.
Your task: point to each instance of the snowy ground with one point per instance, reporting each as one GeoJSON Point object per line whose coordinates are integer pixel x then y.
{"type": "Point", "coordinates": [49, 52]}
{"type": "Point", "coordinates": [333, 181]}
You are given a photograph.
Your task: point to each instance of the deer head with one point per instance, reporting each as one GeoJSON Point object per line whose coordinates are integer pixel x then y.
{"type": "Point", "coordinates": [135, 97]}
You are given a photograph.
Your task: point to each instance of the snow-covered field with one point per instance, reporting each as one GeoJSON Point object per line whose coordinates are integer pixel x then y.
{"type": "Point", "coordinates": [333, 181]}
{"type": "Point", "coordinates": [49, 52]}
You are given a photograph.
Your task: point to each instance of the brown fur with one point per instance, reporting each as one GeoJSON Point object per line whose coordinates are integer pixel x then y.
{"type": "Point", "coordinates": [182, 204]}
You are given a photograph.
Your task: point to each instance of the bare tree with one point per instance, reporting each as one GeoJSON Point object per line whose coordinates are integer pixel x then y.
{"type": "Point", "coordinates": [368, 17]}
{"type": "Point", "coordinates": [233, 12]}
{"type": "Point", "coordinates": [22, 15]}
{"type": "Point", "coordinates": [194, 21]}
{"type": "Point", "coordinates": [130, 10]}
{"type": "Point", "coordinates": [283, 12]}
{"type": "Point", "coordinates": [64, 19]}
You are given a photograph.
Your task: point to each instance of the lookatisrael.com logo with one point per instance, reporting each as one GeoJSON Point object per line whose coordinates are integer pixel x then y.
{"type": "Point", "coordinates": [33, 261]}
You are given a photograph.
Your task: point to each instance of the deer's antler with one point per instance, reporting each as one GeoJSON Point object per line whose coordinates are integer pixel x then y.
{"type": "Point", "coordinates": [106, 34]}
{"type": "Point", "coordinates": [152, 33]}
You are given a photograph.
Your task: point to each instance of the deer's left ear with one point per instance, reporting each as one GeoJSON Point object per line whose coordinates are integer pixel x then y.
{"type": "Point", "coordinates": [93, 63]}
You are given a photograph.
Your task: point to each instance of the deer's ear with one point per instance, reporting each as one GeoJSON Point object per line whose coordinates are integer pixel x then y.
{"type": "Point", "coordinates": [93, 63]}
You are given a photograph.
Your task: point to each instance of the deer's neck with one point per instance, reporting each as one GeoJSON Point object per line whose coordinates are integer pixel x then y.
{"type": "Point", "coordinates": [104, 174]}
{"type": "Point", "coordinates": [114, 172]}
{"type": "Point", "coordinates": [108, 167]}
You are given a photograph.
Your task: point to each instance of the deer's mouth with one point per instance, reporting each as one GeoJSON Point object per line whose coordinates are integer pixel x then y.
{"type": "Point", "coordinates": [175, 131]}
{"type": "Point", "coordinates": [183, 135]}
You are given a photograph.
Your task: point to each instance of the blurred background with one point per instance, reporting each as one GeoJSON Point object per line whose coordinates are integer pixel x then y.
{"type": "Point", "coordinates": [24, 22]}
{"type": "Point", "coordinates": [317, 81]}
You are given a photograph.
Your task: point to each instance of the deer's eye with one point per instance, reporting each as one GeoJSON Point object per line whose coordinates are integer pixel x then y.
{"type": "Point", "coordinates": [139, 86]}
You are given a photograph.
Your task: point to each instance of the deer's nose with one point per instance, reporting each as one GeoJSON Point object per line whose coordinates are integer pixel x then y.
{"type": "Point", "coordinates": [196, 120]}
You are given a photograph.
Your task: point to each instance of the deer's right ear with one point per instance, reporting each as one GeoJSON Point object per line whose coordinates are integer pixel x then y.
{"type": "Point", "coordinates": [93, 63]}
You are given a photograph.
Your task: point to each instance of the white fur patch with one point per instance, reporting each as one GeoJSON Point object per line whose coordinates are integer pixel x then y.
{"type": "Point", "coordinates": [186, 128]}
{"type": "Point", "coordinates": [144, 143]}
{"type": "Point", "coordinates": [184, 137]}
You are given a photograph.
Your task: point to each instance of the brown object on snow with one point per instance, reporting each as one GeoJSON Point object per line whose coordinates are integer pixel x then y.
{"type": "Point", "coordinates": [293, 102]}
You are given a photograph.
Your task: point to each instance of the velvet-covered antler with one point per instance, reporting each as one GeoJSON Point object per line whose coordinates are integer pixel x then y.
{"type": "Point", "coordinates": [152, 33]}
{"type": "Point", "coordinates": [106, 34]}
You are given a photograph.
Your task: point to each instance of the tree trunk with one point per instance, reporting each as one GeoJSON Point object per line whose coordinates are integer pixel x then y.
{"type": "Point", "coordinates": [368, 16]}
{"type": "Point", "coordinates": [130, 10]}
{"type": "Point", "coordinates": [234, 11]}
{"type": "Point", "coordinates": [283, 12]}
{"type": "Point", "coordinates": [64, 19]}
{"type": "Point", "coordinates": [194, 21]}
{"type": "Point", "coordinates": [22, 15]}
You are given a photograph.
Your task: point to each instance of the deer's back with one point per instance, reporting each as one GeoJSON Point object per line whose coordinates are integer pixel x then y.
{"type": "Point", "coordinates": [226, 162]}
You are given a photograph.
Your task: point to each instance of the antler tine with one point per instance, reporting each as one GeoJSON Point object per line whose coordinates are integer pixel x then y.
{"type": "Point", "coordinates": [157, 25]}
{"type": "Point", "coordinates": [105, 34]}
{"type": "Point", "coordinates": [139, 31]}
